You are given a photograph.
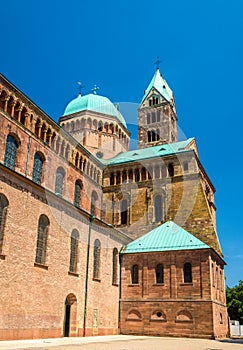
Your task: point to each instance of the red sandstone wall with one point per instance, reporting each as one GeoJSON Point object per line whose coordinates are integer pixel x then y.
{"type": "Point", "coordinates": [188, 309]}
{"type": "Point", "coordinates": [32, 297]}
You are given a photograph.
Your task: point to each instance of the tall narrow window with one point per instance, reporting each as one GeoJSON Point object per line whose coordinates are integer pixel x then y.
{"type": "Point", "coordinates": [158, 208]}
{"type": "Point", "coordinates": [171, 169]}
{"type": "Point", "coordinates": [74, 251]}
{"type": "Point", "coordinates": [143, 174]}
{"type": "Point", "coordinates": [115, 266]}
{"type": "Point", "coordinates": [3, 215]}
{"type": "Point", "coordinates": [94, 198]}
{"type": "Point", "coordinates": [159, 273]}
{"type": "Point", "coordinates": [112, 179]}
{"type": "Point", "coordinates": [124, 212]}
{"type": "Point", "coordinates": [187, 273]}
{"type": "Point", "coordinates": [10, 152]}
{"type": "Point", "coordinates": [134, 274]}
{"type": "Point", "coordinates": [43, 227]}
{"type": "Point", "coordinates": [96, 266]}
{"type": "Point", "coordinates": [37, 169]}
{"type": "Point", "coordinates": [59, 181]}
{"type": "Point", "coordinates": [153, 135]}
{"type": "Point", "coordinates": [77, 193]}
{"type": "Point", "coordinates": [137, 175]}
{"type": "Point", "coordinates": [149, 136]}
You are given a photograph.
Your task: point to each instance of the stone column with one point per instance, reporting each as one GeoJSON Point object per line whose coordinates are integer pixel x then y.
{"type": "Point", "coordinates": [6, 103]}
{"type": "Point", "coordinates": [19, 110]}
{"type": "Point", "coordinates": [13, 104]}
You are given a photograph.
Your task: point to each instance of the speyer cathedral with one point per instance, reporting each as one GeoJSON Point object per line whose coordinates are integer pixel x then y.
{"type": "Point", "coordinates": [98, 239]}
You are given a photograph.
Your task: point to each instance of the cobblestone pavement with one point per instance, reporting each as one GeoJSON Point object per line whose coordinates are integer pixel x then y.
{"type": "Point", "coordinates": [123, 343]}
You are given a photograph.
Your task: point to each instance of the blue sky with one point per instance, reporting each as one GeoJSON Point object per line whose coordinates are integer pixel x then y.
{"type": "Point", "coordinates": [47, 46]}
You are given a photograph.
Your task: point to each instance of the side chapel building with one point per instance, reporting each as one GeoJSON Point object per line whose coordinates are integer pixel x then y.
{"type": "Point", "coordinates": [96, 239]}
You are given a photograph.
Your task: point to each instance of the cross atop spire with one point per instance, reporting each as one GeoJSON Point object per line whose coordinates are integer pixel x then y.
{"type": "Point", "coordinates": [157, 62]}
{"type": "Point", "coordinates": [80, 87]}
{"type": "Point", "coordinates": [95, 88]}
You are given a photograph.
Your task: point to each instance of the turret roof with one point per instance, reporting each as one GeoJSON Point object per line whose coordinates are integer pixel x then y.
{"type": "Point", "coordinates": [95, 103]}
{"type": "Point", "coordinates": [160, 84]}
{"type": "Point", "coordinates": [166, 237]}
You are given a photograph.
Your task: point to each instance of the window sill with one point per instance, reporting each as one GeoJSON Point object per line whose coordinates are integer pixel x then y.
{"type": "Point", "coordinates": [42, 266]}
{"type": "Point", "coordinates": [158, 284]}
{"type": "Point", "coordinates": [115, 284]}
{"type": "Point", "coordinates": [2, 257]}
{"type": "Point", "coordinates": [96, 279]}
{"type": "Point", "coordinates": [133, 285]}
{"type": "Point", "coordinates": [186, 284]}
{"type": "Point", "coordinates": [73, 274]}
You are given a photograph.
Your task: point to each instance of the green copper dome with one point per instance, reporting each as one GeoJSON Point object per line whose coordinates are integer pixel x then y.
{"type": "Point", "coordinates": [95, 103]}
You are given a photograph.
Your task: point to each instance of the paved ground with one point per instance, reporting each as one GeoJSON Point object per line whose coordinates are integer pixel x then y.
{"type": "Point", "coordinates": [122, 342]}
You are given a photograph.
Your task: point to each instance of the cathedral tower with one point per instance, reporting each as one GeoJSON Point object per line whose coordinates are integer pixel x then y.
{"type": "Point", "coordinates": [157, 120]}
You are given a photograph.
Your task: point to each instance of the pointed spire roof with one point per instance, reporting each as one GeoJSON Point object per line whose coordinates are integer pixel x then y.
{"type": "Point", "coordinates": [166, 237]}
{"type": "Point", "coordinates": [160, 84]}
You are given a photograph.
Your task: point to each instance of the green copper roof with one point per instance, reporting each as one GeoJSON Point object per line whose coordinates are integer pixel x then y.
{"type": "Point", "coordinates": [95, 103]}
{"type": "Point", "coordinates": [166, 237]}
{"type": "Point", "coordinates": [149, 152]}
{"type": "Point", "coordinates": [160, 84]}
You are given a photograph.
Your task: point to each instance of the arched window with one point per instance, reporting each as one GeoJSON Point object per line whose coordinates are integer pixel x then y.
{"type": "Point", "coordinates": [118, 178]}
{"type": "Point", "coordinates": [137, 175]}
{"type": "Point", "coordinates": [187, 273]}
{"type": "Point", "coordinates": [115, 266]}
{"type": "Point", "coordinates": [149, 136]}
{"type": "Point", "coordinates": [37, 169]}
{"type": "Point", "coordinates": [112, 179]}
{"type": "Point", "coordinates": [3, 215]}
{"type": "Point", "coordinates": [130, 176]}
{"type": "Point", "coordinates": [134, 274]}
{"type": "Point", "coordinates": [153, 136]}
{"type": "Point", "coordinates": [10, 152]}
{"type": "Point", "coordinates": [77, 193]}
{"type": "Point", "coordinates": [59, 181]}
{"type": "Point", "coordinates": [124, 209]}
{"type": "Point", "coordinates": [124, 176]}
{"type": "Point", "coordinates": [100, 126]}
{"type": "Point", "coordinates": [74, 251]}
{"type": "Point", "coordinates": [143, 174]}
{"type": "Point", "coordinates": [171, 170]}
{"type": "Point", "coordinates": [94, 198]}
{"type": "Point", "coordinates": [43, 227]}
{"type": "Point", "coordinates": [159, 273]}
{"type": "Point", "coordinates": [158, 208]}
{"type": "Point", "coordinates": [96, 266]}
